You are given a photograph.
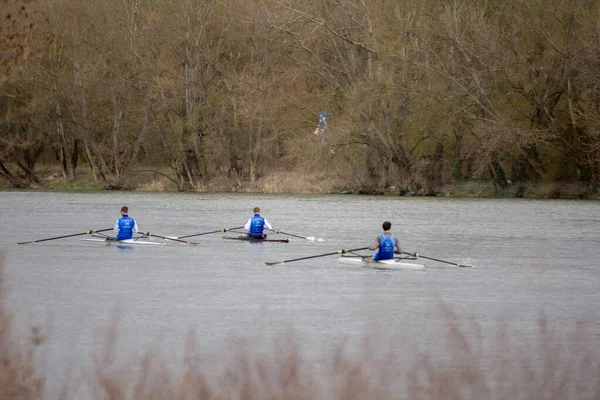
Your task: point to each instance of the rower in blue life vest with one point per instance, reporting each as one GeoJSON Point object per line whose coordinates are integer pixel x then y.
{"type": "Point", "coordinates": [387, 244]}
{"type": "Point", "coordinates": [125, 226]}
{"type": "Point", "coordinates": [256, 225]}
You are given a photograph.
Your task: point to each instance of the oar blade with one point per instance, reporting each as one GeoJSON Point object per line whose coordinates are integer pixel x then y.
{"type": "Point", "coordinates": [464, 266]}
{"type": "Point", "coordinates": [274, 262]}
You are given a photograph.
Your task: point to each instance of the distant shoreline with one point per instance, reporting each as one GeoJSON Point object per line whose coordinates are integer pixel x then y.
{"type": "Point", "coordinates": [302, 184]}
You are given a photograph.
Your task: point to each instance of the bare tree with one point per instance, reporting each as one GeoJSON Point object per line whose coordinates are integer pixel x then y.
{"type": "Point", "coordinates": [16, 42]}
{"type": "Point", "coordinates": [23, 131]}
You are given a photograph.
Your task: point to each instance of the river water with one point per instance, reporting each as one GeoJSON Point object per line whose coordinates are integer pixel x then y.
{"type": "Point", "coordinates": [532, 260]}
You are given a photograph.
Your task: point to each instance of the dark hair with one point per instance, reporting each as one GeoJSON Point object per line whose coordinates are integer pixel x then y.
{"type": "Point", "coordinates": [387, 225]}
{"type": "Point", "coordinates": [125, 209]}
{"type": "Point", "coordinates": [256, 210]}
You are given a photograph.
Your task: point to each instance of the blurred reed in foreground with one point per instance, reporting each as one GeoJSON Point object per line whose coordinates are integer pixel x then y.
{"type": "Point", "coordinates": [561, 368]}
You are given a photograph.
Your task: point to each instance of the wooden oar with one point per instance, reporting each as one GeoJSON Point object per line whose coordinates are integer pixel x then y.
{"type": "Point", "coordinates": [309, 238]}
{"type": "Point", "coordinates": [318, 255]}
{"type": "Point", "coordinates": [167, 238]}
{"type": "Point", "coordinates": [206, 233]}
{"type": "Point", "coordinates": [67, 236]}
{"type": "Point", "coordinates": [438, 260]}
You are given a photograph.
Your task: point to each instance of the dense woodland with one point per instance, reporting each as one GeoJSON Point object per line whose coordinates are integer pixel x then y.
{"type": "Point", "coordinates": [419, 93]}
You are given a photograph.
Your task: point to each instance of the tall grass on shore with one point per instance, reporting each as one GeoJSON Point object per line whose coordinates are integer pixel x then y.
{"type": "Point", "coordinates": [472, 366]}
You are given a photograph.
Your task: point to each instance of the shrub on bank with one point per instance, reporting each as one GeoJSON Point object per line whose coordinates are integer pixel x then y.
{"type": "Point", "coordinates": [319, 182]}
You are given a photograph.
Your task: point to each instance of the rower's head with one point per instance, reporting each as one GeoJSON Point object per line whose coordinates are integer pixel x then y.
{"type": "Point", "coordinates": [387, 225]}
{"type": "Point", "coordinates": [124, 210]}
{"type": "Point", "coordinates": [256, 210]}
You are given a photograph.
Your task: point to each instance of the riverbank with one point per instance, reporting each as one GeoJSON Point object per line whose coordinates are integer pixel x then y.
{"type": "Point", "coordinates": [295, 182]}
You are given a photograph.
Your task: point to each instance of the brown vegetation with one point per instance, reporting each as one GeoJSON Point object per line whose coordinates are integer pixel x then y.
{"type": "Point", "coordinates": [420, 94]}
{"type": "Point", "coordinates": [561, 367]}
{"type": "Point", "coordinates": [19, 378]}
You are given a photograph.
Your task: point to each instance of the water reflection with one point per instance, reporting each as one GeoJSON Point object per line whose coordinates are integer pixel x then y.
{"type": "Point", "coordinates": [125, 248]}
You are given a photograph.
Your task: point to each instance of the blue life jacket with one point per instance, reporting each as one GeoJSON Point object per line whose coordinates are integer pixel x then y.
{"type": "Point", "coordinates": [257, 226]}
{"type": "Point", "coordinates": [126, 224]}
{"type": "Point", "coordinates": [386, 247]}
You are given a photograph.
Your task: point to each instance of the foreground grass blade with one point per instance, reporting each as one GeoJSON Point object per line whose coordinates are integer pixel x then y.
{"type": "Point", "coordinates": [68, 236]}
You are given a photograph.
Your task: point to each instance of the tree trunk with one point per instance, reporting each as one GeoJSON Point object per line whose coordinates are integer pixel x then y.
{"type": "Point", "coordinates": [14, 180]}
{"type": "Point", "coordinates": [65, 156]}
{"type": "Point", "coordinates": [457, 172]}
{"type": "Point", "coordinates": [497, 174]}
{"type": "Point", "coordinates": [31, 176]}
{"type": "Point", "coordinates": [116, 131]}
{"type": "Point", "coordinates": [96, 171]}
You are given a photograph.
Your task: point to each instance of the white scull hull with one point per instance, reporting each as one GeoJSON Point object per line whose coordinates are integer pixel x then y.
{"type": "Point", "coordinates": [126, 242]}
{"type": "Point", "coordinates": [366, 262]}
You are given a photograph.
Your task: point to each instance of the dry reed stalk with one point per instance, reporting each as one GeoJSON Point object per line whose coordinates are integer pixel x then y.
{"type": "Point", "coordinates": [18, 375]}
{"type": "Point", "coordinates": [154, 186]}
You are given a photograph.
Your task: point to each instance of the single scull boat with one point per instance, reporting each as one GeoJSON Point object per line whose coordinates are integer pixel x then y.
{"type": "Point", "coordinates": [366, 262]}
{"type": "Point", "coordinates": [255, 240]}
{"type": "Point", "coordinates": [125, 242]}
